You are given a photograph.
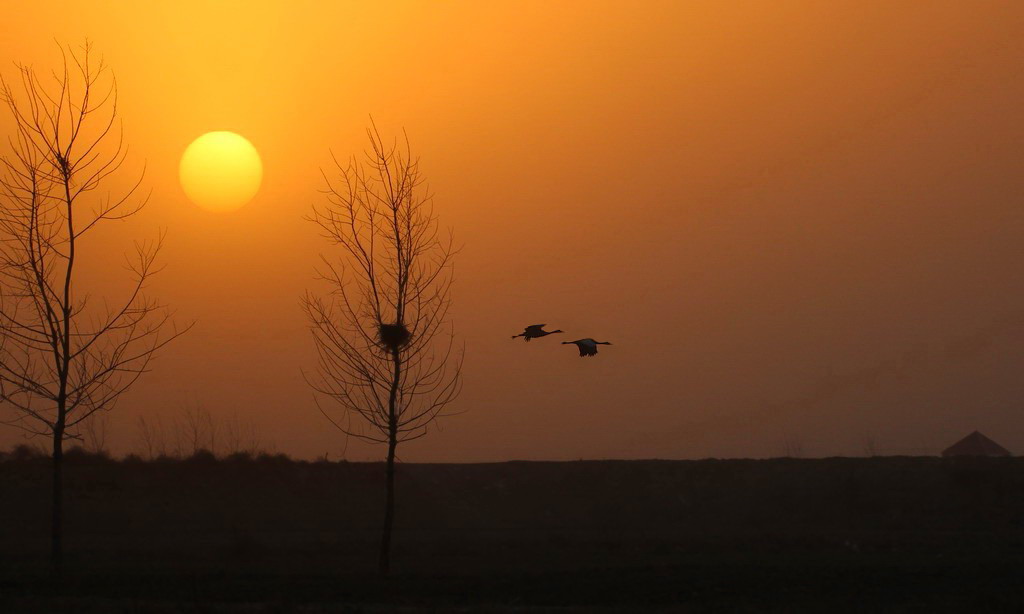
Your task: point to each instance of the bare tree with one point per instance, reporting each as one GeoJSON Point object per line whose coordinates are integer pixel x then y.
{"type": "Point", "coordinates": [152, 437]}
{"type": "Point", "coordinates": [197, 432]}
{"type": "Point", "coordinates": [241, 437]}
{"type": "Point", "coordinates": [793, 447]}
{"type": "Point", "coordinates": [195, 429]}
{"type": "Point", "coordinates": [64, 357]}
{"type": "Point", "coordinates": [386, 355]}
{"type": "Point", "coordinates": [95, 432]}
{"type": "Point", "coordinates": [869, 445]}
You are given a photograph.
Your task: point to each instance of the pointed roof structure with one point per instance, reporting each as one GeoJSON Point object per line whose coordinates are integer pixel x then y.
{"type": "Point", "coordinates": [976, 444]}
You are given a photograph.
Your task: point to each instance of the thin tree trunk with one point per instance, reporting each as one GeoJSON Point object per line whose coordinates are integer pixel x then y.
{"type": "Point", "coordinates": [63, 369]}
{"type": "Point", "coordinates": [384, 565]}
{"type": "Point", "coordinates": [57, 510]}
{"type": "Point", "coordinates": [389, 513]}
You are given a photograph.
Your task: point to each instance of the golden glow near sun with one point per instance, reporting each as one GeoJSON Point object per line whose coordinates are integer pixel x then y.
{"type": "Point", "coordinates": [220, 171]}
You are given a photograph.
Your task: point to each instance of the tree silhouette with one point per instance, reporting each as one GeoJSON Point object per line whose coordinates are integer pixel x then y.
{"type": "Point", "coordinates": [63, 356]}
{"type": "Point", "coordinates": [386, 355]}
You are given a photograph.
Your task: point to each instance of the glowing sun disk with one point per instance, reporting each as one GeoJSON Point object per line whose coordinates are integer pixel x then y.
{"type": "Point", "coordinates": [220, 171]}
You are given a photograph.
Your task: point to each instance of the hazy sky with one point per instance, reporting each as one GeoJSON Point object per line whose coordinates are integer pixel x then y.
{"type": "Point", "coordinates": [800, 223]}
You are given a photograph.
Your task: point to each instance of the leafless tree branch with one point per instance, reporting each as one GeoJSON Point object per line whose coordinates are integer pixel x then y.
{"type": "Point", "coordinates": [61, 359]}
{"type": "Point", "coordinates": [386, 356]}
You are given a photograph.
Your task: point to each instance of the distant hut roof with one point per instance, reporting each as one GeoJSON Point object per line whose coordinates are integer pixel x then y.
{"type": "Point", "coordinates": [976, 444]}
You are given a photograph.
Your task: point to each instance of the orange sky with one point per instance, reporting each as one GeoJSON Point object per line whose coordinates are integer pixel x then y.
{"type": "Point", "coordinates": [799, 222]}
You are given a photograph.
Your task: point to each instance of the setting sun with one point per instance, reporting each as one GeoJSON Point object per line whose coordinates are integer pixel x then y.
{"type": "Point", "coordinates": [221, 171]}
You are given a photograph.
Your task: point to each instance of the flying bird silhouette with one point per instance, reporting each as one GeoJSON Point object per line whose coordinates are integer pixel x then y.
{"type": "Point", "coordinates": [535, 330]}
{"type": "Point", "coordinates": [587, 347]}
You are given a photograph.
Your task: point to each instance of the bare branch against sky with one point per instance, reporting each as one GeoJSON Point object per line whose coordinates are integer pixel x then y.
{"type": "Point", "coordinates": [387, 363]}
{"type": "Point", "coordinates": [65, 354]}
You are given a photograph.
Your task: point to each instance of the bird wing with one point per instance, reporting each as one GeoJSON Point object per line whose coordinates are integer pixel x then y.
{"type": "Point", "coordinates": [534, 328]}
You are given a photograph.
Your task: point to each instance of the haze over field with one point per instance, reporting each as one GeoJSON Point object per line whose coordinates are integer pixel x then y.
{"type": "Point", "coordinates": [799, 223]}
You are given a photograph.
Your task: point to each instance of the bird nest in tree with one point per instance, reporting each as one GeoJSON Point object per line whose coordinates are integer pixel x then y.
{"type": "Point", "coordinates": [394, 336]}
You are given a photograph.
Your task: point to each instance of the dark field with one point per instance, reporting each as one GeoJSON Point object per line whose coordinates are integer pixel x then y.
{"type": "Point", "coordinates": [273, 535]}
